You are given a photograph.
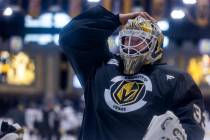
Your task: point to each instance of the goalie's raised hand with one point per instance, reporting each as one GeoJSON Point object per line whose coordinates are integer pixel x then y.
{"type": "Point", "coordinates": [165, 127]}
{"type": "Point", "coordinates": [125, 17]}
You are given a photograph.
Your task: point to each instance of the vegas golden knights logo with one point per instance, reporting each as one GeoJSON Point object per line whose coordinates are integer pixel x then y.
{"type": "Point", "coordinates": [127, 92]}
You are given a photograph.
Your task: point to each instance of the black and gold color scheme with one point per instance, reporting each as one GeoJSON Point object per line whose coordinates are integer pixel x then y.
{"type": "Point", "coordinates": [150, 35]}
{"type": "Point", "coordinates": [127, 92]}
{"type": "Point", "coordinates": [120, 106]}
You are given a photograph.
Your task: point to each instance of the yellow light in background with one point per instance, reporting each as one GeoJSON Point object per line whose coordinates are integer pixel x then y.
{"type": "Point", "coordinates": [4, 60]}
{"type": "Point", "coordinates": [194, 68]}
{"type": "Point", "coordinates": [199, 68]}
{"type": "Point", "coordinates": [205, 64]}
{"type": "Point", "coordinates": [4, 68]}
{"type": "Point", "coordinates": [22, 70]}
{"type": "Point", "coordinates": [205, 59]}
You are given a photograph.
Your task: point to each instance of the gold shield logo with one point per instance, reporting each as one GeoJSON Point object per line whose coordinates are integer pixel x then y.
{"type": "Point", "coordinates": [127, 92]}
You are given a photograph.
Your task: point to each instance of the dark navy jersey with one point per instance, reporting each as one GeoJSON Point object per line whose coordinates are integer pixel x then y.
{"type": "Point", "coordinates": [118, 106]}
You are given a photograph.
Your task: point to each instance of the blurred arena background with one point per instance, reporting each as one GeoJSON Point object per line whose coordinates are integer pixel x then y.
{"type": "Point", "coordinates": [38, 88]}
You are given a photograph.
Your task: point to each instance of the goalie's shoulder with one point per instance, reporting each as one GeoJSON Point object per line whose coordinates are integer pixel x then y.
{"type": "Point", "coordinates": [169, 77]}
{"type": "Point", "coordinates": [172, 72]}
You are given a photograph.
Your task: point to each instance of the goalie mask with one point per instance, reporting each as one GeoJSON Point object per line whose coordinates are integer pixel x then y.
{"type": "Point", "coordinates": [140, 44]}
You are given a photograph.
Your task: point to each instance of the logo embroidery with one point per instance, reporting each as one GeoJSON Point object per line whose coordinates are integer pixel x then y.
{"type": "Point", "coordinates": [126, 93]}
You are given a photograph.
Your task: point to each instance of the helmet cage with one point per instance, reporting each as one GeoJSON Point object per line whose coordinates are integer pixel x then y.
{"type": "Point", "coordinates": [132, 50]}
{"type": "Point", "coordinates": [139, 43]}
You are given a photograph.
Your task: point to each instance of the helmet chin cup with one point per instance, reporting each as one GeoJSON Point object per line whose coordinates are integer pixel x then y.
{"type": "Point", "coordinates": [132, 64]}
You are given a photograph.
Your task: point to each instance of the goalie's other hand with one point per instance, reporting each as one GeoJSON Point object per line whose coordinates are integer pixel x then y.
{"type": "Point", "coordinates": [165, 127]}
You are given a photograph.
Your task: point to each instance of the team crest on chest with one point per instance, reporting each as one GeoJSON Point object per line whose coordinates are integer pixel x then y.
{"type": "Point", "coordinates": [126, 93]}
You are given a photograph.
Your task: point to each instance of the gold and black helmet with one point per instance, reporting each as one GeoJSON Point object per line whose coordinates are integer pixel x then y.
{"type": "Point", "coordinates": [140, 43]}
